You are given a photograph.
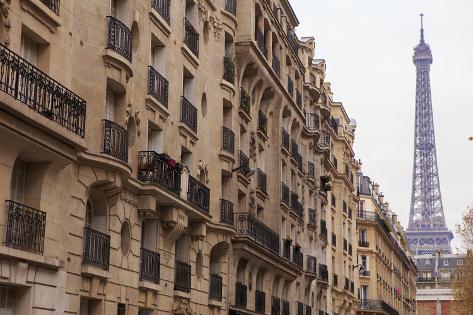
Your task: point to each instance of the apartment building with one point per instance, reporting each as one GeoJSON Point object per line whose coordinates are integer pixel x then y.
{"type": "Point", "coordinates": [386, 267]}
{"type": "Point", "coordinates": [171, 157]}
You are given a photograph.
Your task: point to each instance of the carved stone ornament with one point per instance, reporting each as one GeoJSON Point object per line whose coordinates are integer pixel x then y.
{"type": "Point", "coordinates": [252, 199]}
{"type": "Point", "coordinates": [136, 117]}
{"type": "Point", "coordinates": [181, 306]}
{"type": "Point", "coordinates": [129, 198]}
{"type": "Point", "coordinates": [5, 11]}
{"type": "Point", "coordinates": [252, 145]}
{"type": "Point", "coordinates": [202, 170]}
{"type": "Point", "coordinates": [217, 26]}
{"type": "Point", "coordinates": [203, 11]}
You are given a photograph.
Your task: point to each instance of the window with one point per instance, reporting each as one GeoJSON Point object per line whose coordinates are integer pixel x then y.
{"type": "Point", "coordinates": [361, 206]}
{"type": "Point", "coordinates": [18, 181]}
{"type": "Point", "coordinates": [364, 262]}
{"type": "Point", "coordinates": [427, 262]}
{"type": "Point", "coordinates": [110, 106]}
{"type": "Point", "coordinates": [29, 50]}
{"type": "Point", "coordinates": [155, 138]}
{"type": "Point", "coordinates": [363, 236]}
{"type": "Point", "coordinates": [121, 309]}
{"type": "Point", "coordinates": [364, 292]}
{"type": "Point", "coordinates": [460, 261]}
{"type": "Point", "coordinates": [445, 262]}
{"type": "Point", "coordinates": [7, 300]}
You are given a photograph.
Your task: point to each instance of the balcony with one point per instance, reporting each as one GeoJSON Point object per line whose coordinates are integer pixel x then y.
{"type": "Point", "coordinates": [425, 279]}
{"type": "Point", "coordinates": [377, 305]}
{"type": "Point", "coordinates": [261, 180]}
{"type": "Point", "coordinates": [285, 307]}
{"type": "Point", "coordinates": [241, 295]}
{"type": "Point", "coordinates": [347, 284]}
{"type": "Point", "coordinates": [311, 170]}
{"type": "Point", "coordinates": [299, 99]}
{"type": "Point", "coordinates": [308, 310]}
{"type": "Point", "coordinates": [260, 297]}
{"type": "Point", "coordinates": [260, 42]}
{"type": "Point", "coordinates": [325, 139]}
{"type": "Point", "coordinates": [296, 206]}
{"type": "Point", "coordinates": [155, 168]}
{"type": "Point", "coordinates": [226, 212]}
{"type": "Point", "coordinates": [335, 280]}
{"type": "Point", "coordinates": [119, 38]}
{"type": "Point", "coordinates": [228, 140]}
{"type": "Point", "coordinates": [26, 227]}
{"type": "Point", "coordinates": [312, 218]}
{"type": "Point", "coordinates": [334, 239]}
{"type": "Point", "coordinates": [245, 102]}
{"type": "Point", "coordinates": [276, 66]}
{"type": "Point", "coordinates": [52, 5]}
{"type": "Point", "coordinates": [364, 273]}
{"type": "Point", "coordinates": [293, 41]}
{"type": "Point", "coordinates": [284, 193]}
{"type": "Point", "coordinates": [311, 264]}
{"type": "Point", "coordinates": [191, 38]}
{"type": "Point", "coordinates": [257, 231]}
{"type": "Point", "coordinates": [323, 273]}
{"type": "Point", "coordinates": [162, 7]}
{"type": "Point", "coordinates": [323, 230]}
{"type": "Point", "coordinates": [285, 139]}
{"type": "Point", "coordinates": [158, 86]}
{"type": "Point", "coordinates": [115, 140]}
{"type": "Point", "coordinates": [298, 257]}
{"type": "Point", "coordinates": [368, 216]}
{"type": "Point", "coordinates": [295, 154]}
{"type": "Point", "coordinates": [182, 277]}
{"type": "Point", "coordinates": [262, 123]}
{"type": "Point", "coordinates": [29, 85]}
{"type": "Point", "coordinates": [312, 121]}
{"type": "Point", "coordinates": [300, 308]}
{"type": "Point", "coordinates": [149, 266]}
{"type": "Point", "coordinates": [290, 86]}
{"type": "Point", "coordinates": [363, 243]}
{"type": "Point", "coordinates": [286, 249]}
{"type": "Point", "coordinates": [188, 114]}
{"type": "Point", "coordinates": [228, 70]}
{"type": "Point", "coordinates": [215, 291]}
{"type": "Point", "coordinates": [275, 306]}
{"type": "Point", "coordinates": [96, 249]}
{"type": "Point", "coordinates": [230, 6]}
{"type": "Point", "coordinates": [244, 163]}
{"type": "Point", "coordinates": [198, 194]}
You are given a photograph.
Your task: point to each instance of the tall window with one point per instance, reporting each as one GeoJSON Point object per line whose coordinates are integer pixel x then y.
{"type": "Point", "coordinates": [29, 50]}
{"type": "Point", "coordinates": [18, 181]}
{"type": "Point", "coordinates": [364, 292]}
{"type": "Point", "coordinates": [363, 236]}
{"type": "Point", "coordinates": [364, 262]}
{"type": "Point", "coordinates": [361, 206]}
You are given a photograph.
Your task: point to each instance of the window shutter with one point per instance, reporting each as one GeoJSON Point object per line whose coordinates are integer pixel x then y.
{"type": "Point", "coordinates": [29, 50]}
{"type": "Point", "coordinates": [7, 301]}
{"type": "Point", "coordinates": [18, 181]}
{"type": "Point", "coordinates": [110, 106]}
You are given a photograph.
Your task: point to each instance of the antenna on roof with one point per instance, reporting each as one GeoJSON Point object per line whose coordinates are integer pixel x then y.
{"type": "Point", "coordinates": [422, 27]}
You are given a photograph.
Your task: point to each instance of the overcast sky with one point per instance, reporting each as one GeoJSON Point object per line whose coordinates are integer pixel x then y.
{"type": "Point", "coordinates": [368, 47]}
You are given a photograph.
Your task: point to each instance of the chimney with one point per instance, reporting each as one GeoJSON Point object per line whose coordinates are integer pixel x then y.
{"type": "Point", "coordinates": [381, 198]}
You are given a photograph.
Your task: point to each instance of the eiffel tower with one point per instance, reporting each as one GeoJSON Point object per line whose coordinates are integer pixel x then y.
{"type": "Point", "coordinates": [427, 232]}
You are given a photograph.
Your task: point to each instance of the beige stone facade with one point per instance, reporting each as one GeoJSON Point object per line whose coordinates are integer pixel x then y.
{"type": "Point", "coordinates": [386, 266]}
{"type": "Point", "coordinates": [171, 157]}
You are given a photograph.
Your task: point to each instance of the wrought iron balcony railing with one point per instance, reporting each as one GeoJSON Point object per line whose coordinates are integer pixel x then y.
{"type": "Point", "coordinates": [260, 42]}
{"type": "Point", "coordinates": [276, 66]}
{"type": "Point", "coordinates": [293, 41]}
{"type": "Point", "coordinates": [226, 212]}
{"type": "Point", "coordinates": [159, 169]}
{"type": "Point", "coordinates": [312, 121]}
{"type": "Point", "coordinates": [363, 243]}
{"type": "Point", "coordinates": [261, 180]}
{"type": "Point", "coordinates": [228, 140]}
{"type": "Point", "coordinates": [244, 163]}
{"type": "Point", "coordinates": [275, 306]}
{"type": "Point", "coordinates": [188, 114]}
{"type": "Point", "coordinates": [298, 99]}
{"type": "Point", "coordinates": [230, 6]}
{"type": "Point", "coordinates": [312, 217]}
{"type": "Point", "coordinates": [149, 266]}
{"type": "Point", "coordinates": [323, 273]}
{"type": "Point", "coordinates": [308, 310]}
{"type": "Point", "coordinates": [162, 7]}
{"type": "Point", "coordinates": [284, 193]}
{"type": "Point", "coordinates": [325, 139]}
{"type": "Point", "coordinates": [311, 264]}
{"type": "Point", "coordinates": [228, 70]}
{"type": "Point", "coordinates": [241, 292]}
{"type": "Point", "coordinates": [158, 86]}
{"type": "Point", "coordinates": [311, 170]}
{"type": "Point", "coordinates": [377, 305]}
{"type": "Point", "coordinates": [119, 38]}
{"type": "Point", "coordinates": [198, 194]}
{"type": "Point", "coordinates": [285, 307]}
{"type": "Point", "coordinates": [245, 102]}
{"type": "Point", "coordinates": [257, 231]}
{"type": "Point", "coordinates": [262, 122]}
{"type": "Point", "coordinates": [260, 297]}
{"type": "Point", "coordinates": [285, 139]}
{"type": "Point", "coordinates": [26, 227]}
{"type": "Point", "coordinates": [52, 5]}
{"type": "Point", "coordinates": [366, 215]}
{"type": "Point", "coordinates": [215, 291]}
{"type": "Point", "coordinates": [96, 249]}
{"type": "Point", "coordinates": [298, 257]}
{"type": "Point", "coordinates": [364, 273]}
{"type": "Point", "coordinates": [115, 140]}
{"type": "Point", "coordinates": [286, 249]}
{"type": "Point", "coordinates": [296, 205]}
{"type": "Point", "coordinates": [182, 277]}
{"type": "Point", "coordinates": [29, 85]}
{"type": "Point", "coordinates": [290, 86]}
{"type": "Point", "coordinates": [191, 38]}
{"type": "Point", "coordinates": [300, 308]}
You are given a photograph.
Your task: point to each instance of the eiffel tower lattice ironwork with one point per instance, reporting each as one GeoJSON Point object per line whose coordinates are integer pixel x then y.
{"type": "Point", "coordinates": [427, 232]}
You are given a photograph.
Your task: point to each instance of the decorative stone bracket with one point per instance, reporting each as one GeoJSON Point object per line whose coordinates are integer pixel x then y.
{"type": "Point", "coordinates": [176, 222]}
